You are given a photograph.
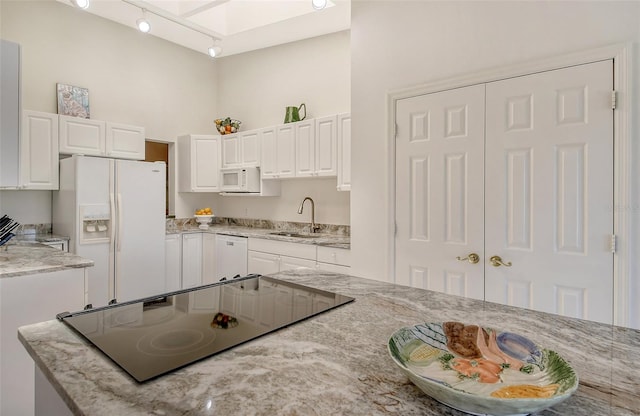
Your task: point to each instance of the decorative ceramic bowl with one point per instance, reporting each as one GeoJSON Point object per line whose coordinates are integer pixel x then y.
{"type": "Point", "coordinates": [482, 371]}
{"type": "Point", "coordinates": [204, 221]}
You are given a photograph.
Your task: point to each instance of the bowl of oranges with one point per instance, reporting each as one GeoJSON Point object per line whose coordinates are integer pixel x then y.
{"type": "Point", "coordinates": [203, 217]}
{"type": "Point", "coordinates": [227, 125]}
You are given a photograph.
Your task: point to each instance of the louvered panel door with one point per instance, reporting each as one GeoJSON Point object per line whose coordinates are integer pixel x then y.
{"type": "Point", "coordinates": [549, 190]}
{"type": "Point", "coordinates": [439, 191]}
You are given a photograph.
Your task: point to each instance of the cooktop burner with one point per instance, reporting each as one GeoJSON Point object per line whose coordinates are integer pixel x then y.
{"type": "Point", "coordinates": [151, 337]}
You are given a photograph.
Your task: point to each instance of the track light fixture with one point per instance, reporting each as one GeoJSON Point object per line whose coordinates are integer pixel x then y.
{"type": "Point", "coordinates": [143, 24]}
{"type": "Point", "coordinates": [215, 50]}
{"type": "Point", "coordinates": [318, 4]}
{"type": "Point", "coordinates": [81, 4]}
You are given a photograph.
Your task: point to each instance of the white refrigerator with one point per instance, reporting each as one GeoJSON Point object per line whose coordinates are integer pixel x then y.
{"type": "Point", "coordinates": [114, 214]}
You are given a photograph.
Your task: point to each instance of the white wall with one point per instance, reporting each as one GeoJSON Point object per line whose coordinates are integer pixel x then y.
{"type": "Point", "coordinates": [435, 40]}
{"type": "Point", "coordinates": [255, 87]}
{"type": "Point", "coordinates": [132, 78]}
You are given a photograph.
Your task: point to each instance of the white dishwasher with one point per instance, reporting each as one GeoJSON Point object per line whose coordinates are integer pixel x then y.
{"type": "Point", "coordinates": [231, 256]}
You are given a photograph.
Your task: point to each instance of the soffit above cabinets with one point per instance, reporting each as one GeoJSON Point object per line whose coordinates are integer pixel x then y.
{"type": "Point", "coordinates": [241, 25]}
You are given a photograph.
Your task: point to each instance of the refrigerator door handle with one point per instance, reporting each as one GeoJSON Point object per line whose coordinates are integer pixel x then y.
{"type": "Point", "coordinates": [119, 204]}
{"type": "Point", "coordinates": [112, 240]}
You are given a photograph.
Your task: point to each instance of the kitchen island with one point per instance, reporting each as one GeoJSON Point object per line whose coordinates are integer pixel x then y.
{"type": "Point", "coordinates": [36, 281]}
{"type": "Point", "coordinates": [336, 362]}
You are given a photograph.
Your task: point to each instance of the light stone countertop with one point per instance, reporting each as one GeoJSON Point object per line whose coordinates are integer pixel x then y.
{"type": "Point", "coordinates": [320, 239]}
{"type": "Point", "coordinates": [336, 363]}
{"type": "Point", "coordinates": [23, 258]}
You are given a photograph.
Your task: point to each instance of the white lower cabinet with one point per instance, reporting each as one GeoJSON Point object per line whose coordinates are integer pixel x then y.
{"type": "Point", "coordinates": [288, 263]}
{"type": "Point", "coordinates": [270, 256]}
{"type": "Point", "coordinates": [191, 260]}
{"type": "Point", "coordinates": [173, 262]}
{"type": "Point", "coordinates": [209, 260]}
{"type": "Point", "coordinates": [26, 300]}
{"type": "Point", "coordinates": [331, 259]}
{"type": "Point", "coordinates": [262, 263]}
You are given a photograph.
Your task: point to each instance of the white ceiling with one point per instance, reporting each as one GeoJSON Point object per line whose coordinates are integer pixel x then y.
{"type": "Point", "coordinates": [241, 25]}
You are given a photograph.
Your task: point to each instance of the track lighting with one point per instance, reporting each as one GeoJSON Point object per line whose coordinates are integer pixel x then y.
{"type": "Point", "coordinates": [215, 50]}
{"type": "Point", "coordinates": [318, 4]}
{"type": "Point", "coordinates": [143, 24]}
{"type": "Point", "coordinates": [81, 4]}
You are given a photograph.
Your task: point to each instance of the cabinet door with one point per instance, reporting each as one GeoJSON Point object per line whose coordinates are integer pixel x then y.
{"type": "Point", "coordinates": [39, 150]}
{"type": "Point", "coordinates": [335, 268]}
{"type": "Point", "coordinates": [206, 154]}
{"type": "Point", "coordinates": [250, 148]}
{"type": "Point", "coordinates": [285, 149]}
{"type": "Point", "coordinates": [288, 263]}
{"type": "Point", "coordinates": [230, 151]}
{"type": "Point", "coordinates": [82, 136]}
{"type": "Point", "coordinates": [199, 163]}
{"type": "Point", "coordinates": [305, 148]}
{"type": "Point", "coordinates": [124, 141]}
{"type": "Point", "coordinates": [326, 146]}
{"type": "Point", "coordinates": [268, 153]}
{"type": "Point", "coordinates": [263, 263]}
{"type": "Point", "coordinates": [344, 152]}
{"type": "Point", "coordinates": [172, 262]}
{"type": "Point", "coordinates": [191, 260]}
{"type": "Point", "coordinates": [208, 258]}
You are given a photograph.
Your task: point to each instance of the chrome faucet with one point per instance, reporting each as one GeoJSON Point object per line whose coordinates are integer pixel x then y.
{"type": "Point", "coordinates": [313, 228]}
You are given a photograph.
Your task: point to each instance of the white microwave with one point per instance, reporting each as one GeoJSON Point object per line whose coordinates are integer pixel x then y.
{"type": "Point", "coordinates": [240, 180]}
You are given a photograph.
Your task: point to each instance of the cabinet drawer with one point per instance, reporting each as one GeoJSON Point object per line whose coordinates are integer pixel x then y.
{"type": "Point", "coordinates": [303, 251]}
{"type": "Point", "coordinates": [334, 255]}
{"type": "Point", "coordinates": [336, 268]}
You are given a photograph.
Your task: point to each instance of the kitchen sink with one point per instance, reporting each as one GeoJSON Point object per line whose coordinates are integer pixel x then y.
{"type": "Point", "coordinates": [293, 234]}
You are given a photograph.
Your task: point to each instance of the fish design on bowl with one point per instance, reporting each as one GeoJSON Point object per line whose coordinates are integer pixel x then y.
{"type": "Point", "coordinates": [482, 371]}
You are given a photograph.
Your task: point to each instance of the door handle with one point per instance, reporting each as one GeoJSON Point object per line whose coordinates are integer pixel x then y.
{"type": "Point", "coordinates": [473, 258]}
{"type": "Point", "coordinates": [496, 261]}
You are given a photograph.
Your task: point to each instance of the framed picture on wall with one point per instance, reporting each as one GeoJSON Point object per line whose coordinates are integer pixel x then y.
{"type": "Point", "coordinates": [73, 101]}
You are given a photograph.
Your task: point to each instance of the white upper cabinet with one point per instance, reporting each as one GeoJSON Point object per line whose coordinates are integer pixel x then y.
{"type": "Point", "coordinates": [230, 151]}
{"type": "Point", "coordinates": [39, 151]}
{"type": "Point", "coordinates": [199, 162]}
{"type": "Point", "coordinates": [344, 152]}
{"type": "Point", "coordinates": [326, 147]}
{"type": "Point", "coordinates": [241, 149]}
{"type": "Point", "coordinates": [35, 164]}
{"type": "Point", "coordinates": [278, 152]}
{"type": "Point", "coordinates": [268, 154]}
{"type": "Point", "coordinates": [124, 141]}
{"type": "Point", "coordinates": [305, 137]}
{"type": "Point", "coordinates": [100, 138]}
{"type": "Point", "coordinates": [302, 149]}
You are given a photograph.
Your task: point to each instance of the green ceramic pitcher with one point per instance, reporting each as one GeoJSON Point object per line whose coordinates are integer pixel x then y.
{"type": "Point", "coordinates": [292, 114]}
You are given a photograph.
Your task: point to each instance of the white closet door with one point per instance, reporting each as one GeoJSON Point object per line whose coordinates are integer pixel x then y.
{"type": "Point", "coordinates": [549, 190]}
{"type": "Point", "coordinates": [439, 191]}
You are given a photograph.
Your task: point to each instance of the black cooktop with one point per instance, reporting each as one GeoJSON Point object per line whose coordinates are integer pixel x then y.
{"type": "Point", "coordinates": [153, 336]}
